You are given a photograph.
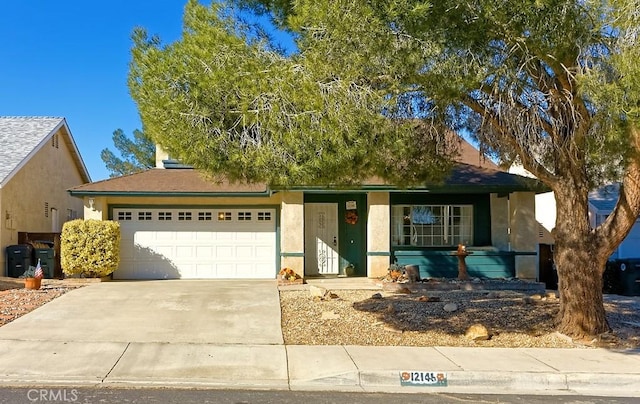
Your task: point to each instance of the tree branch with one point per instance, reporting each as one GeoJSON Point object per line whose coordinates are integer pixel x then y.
{"type": "Point", "coordinates": [528, 161]}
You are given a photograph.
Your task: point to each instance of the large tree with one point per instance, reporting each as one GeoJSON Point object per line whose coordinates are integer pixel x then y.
{"type": "Point", "coordinates": [137, 154]}
{"type": "Point", "coordinates": [552, 84]}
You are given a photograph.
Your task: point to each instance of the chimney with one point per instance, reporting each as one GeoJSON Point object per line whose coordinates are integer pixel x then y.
{"type": "Point", "coordinates": [160, 156]}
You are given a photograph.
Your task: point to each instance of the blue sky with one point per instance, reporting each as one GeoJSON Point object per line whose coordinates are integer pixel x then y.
{"type": "Point", "coordinates": [70, 59]}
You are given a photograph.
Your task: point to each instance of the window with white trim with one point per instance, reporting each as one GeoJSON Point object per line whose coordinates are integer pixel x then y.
{"type": "Point", "coordinates": [122, 216]}
{"type": "Point", "coordinates": [166, 216]}
{"type": "Point", "coordinates": [184, 216]}
{"type": "Point", "coordinates": [204, 216]}
{"type": "Point", "coordinates": [224, 216]}
{"type": "Point", "coordinates": [431, 225]}
{"type": "Point", "coordinates": [145, 216]}
{"type": "Point", "coordinates": [264, 216]}
{"type": "Point", "coordinates": [71, 214]}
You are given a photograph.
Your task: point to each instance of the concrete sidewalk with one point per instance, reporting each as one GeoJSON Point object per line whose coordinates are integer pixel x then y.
{"type": "Point", "coordinates": [162, 334]}
{"type": "Point", "coordinates": [334, 368]}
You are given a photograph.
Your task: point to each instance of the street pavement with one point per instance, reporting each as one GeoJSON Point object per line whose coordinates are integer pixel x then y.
{"type": "Point", "coordinates": [227, 334]}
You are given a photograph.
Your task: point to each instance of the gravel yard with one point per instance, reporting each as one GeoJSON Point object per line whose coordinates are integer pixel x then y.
{"type": "Point", "coordinates": [354, 317]}
{"type": "Point", "coordinates": [16, 301]}
{"type": "Point", "coordinates": [513, 319]}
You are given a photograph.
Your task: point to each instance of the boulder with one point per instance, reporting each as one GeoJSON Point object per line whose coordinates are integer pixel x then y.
{"type": "Point", "coordinates": [477, 332]}
{"type": "Point", "coordinates": [376, 296]}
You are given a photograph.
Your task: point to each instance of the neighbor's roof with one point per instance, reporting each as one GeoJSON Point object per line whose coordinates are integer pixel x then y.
{"type": "Point", "coordinates": [604, 199]}
{"type": "Point", "coordinates": [21, 137]}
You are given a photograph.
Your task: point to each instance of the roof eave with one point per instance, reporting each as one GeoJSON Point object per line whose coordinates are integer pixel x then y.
{"type": "Point", "coordinates": [81, 194]}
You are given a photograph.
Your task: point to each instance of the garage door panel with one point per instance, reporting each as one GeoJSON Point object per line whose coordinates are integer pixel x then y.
{"type": "Point", "coordinates": [187, 236]}
{"type": "Point", "coordinates": [227, 248]}
{"type": "Point", "coordinates": [263, 252]}
{"type": "Point", "coordinates": [245, 236]}
{"type": "Point", "coordinates": [204, 236]}
{"type": "Point", "coordinates": [204, 252]}
{"type": "Point", "coordinates": [223, 236]}
{"type": "Point", "coordinates": [186, 252]}
{"type": "Point", "coordinates": [244, 251]}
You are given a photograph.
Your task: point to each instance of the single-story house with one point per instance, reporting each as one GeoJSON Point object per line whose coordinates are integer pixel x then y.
{"type": "Point", "coordinates": [602, 201]}
{"type": "Point", "coordinates": [39, 162]}
{"type": "Point", "coordinates": [176, 223]}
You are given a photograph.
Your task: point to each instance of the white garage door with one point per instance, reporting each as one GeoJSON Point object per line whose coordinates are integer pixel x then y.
{"type": "Point", "coordinates": [196, 243]}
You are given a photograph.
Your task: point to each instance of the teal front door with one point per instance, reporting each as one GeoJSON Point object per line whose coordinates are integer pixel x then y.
{"type": "Point", "coordinates": [335, 234]}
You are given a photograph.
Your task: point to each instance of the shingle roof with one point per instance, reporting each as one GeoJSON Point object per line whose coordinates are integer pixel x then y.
{"type": "Point", "coordinates": [473, 174]}
{"type": "Point", "coordinates": [190, 182]}
{"type": "Point", "coordinates": [161, 180]}
{"type": "Point", "coordinates": [21, 136]}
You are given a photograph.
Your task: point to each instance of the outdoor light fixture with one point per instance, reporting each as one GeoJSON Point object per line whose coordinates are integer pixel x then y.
{"type": "Point", "coordinates": [91, 203]}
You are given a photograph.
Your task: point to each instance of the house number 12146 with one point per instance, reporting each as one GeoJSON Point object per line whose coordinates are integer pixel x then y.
{"type": "Point", "coordinates": [419, 378]}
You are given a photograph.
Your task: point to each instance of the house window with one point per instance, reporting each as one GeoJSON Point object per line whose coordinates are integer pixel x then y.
{"type": "Point", "coordinates": [204, 216]}
{"type": "Point", "coordinates": [122, 216]}
{"type": "Point", "coordinates": [224, 216]}
{"type": "Point", "coordinates": [244, 216]}
{"type": "Point", "coordinates": [432, 225]}
{"type": "Point", "coordinates": [184, 216]}
{"type": "Point", "coordinates": [264, 216]}
{"type": "Point", "coordinates": [144, 216]}
{"type": "Point", "coordinates": [164, 216]}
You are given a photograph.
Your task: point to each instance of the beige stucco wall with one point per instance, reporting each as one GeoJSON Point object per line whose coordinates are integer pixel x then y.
{"type": "Point", "coordinates": [292, 231]}
{"type": "Point", "coordinates": [31, 197]}
{"type": "Point", "coordinates": [378, 234]}
{"type": "Point", "coordinates": [524, 233]}
{"type": "Point", "coordinates": [500, 222]}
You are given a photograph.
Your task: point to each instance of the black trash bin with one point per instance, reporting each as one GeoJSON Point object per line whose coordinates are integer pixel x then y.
{"type": "Point", "coordinates": [18, 259]}
{"type": "Point", "coordinates": [43, 251]}
{"type": "Point", "coordinates": [630, 276]}
{"type": "Point", "coordinates": [611, 279]}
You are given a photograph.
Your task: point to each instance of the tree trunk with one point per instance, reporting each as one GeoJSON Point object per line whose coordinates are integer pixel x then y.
{"type": "Point", "coordinates": [580, 262]}
{"type": "Point", "coordinates": [582, 311]}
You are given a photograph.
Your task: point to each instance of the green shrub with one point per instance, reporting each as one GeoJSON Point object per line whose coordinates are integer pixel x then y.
{"type": "Point", "coordinates": [90, 248]}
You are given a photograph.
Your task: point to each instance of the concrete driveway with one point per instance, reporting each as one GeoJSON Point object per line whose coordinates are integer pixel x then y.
{"type": "Point", "coordinates": [171, 311]}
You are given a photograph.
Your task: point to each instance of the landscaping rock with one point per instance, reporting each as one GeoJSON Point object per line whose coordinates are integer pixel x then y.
{"type": "Point", "coordinates": [376, 296]}
{"type": "Point", "coordinates": [450, 307]}
{"type": "Point", "coordinates": [428, 299]}
{"type": "Point", "coordinates": [317, 291]}
{"type": "Point", "coordinates": [477, 332]}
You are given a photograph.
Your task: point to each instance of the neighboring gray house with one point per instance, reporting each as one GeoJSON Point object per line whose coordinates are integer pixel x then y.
{"type": "Point", "coordinates": [601, 203]}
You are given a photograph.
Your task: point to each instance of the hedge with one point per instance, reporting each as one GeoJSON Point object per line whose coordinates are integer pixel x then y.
{"type": "Point", "coordinates": [90, 248]}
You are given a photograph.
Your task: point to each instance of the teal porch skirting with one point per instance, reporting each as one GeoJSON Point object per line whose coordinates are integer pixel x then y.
{"type": "Point", "coordinates": [444, 263]}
